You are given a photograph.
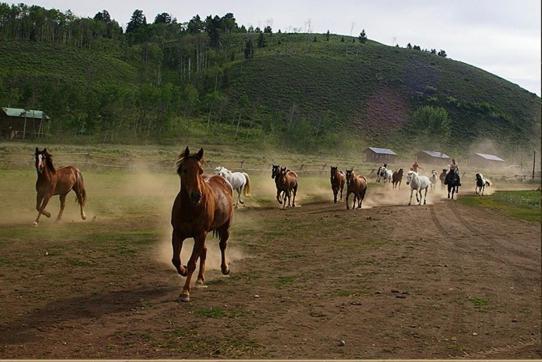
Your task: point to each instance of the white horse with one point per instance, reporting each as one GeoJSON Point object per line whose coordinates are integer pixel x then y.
{"type": "Point", "coordinates": [383, 174]}
{"type": "Point", "coordinates": [418, 183]}
{"type": "Point", "coordinates": [481, 184]}
{"type": "Point", "coordinates": [239, 181]}
{"type": "Point", "coordinates": [434, 178]}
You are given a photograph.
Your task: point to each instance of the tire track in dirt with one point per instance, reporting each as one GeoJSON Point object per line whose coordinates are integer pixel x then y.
{"type": "Point", "coordinates": [490, 252]}
{"type": "Point", "coordinates": [494, 238]}
{"type": "Point", "coordinates": [454, 261]}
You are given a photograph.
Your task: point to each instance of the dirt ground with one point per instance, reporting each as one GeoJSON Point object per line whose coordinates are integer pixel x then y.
{"type": "Point", "coordinates": [436, 281]}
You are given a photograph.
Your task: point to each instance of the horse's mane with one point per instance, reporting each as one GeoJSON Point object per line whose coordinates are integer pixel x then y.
{"type": "Point", "coordinates": [49, 161]}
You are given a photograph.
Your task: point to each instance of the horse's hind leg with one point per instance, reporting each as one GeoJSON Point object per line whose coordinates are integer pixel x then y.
{"type": "Point", "coordinates": [224, 235]}
{"type": "Point", "coordinates": [80, 201]}
{"type": "Point", "coordinates": [295, 193]}
{"type": "Point", "coordinates": [201, 274]}
{"type": "Point", "coordinates": [62, 204]}
{"type": "Point", "coordinates": [177, 244]}
{"type": "Point", "coordinates": [199, 244]}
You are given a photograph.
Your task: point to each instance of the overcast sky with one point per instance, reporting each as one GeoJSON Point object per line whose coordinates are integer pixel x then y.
{"type": "Point", "coordinates": [500, 36]}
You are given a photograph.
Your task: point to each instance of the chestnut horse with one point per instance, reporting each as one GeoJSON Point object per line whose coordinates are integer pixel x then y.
{"type": "Point", "coordinates": [357, 185]}
{"type": "Point", "coordinates": [204, 203]}
{"type": "Point", "coordinates": [56, 182]}
{"type": "Point", "coordinates": [286, 183]}
{"type": "Point", "coordinates": [338, 179]}
{"type": "Point", "coordinates": [397, 178]}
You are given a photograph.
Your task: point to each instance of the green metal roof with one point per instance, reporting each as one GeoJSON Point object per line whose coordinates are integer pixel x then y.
{"type": "Point", "coordinates": [19, 112]}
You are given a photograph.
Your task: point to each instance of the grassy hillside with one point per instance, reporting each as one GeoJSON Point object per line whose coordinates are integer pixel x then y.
{"type": "Point", "coordinates": [300, 91]}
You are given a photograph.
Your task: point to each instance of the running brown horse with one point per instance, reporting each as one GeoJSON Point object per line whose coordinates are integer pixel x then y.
{"type": "Point", "coordinates": [56, 182]}
{"type": "Point", "coordinates": [203, 204]}
{"type": "Point", "coordinates": [397, 178]}
{"type": "Point", "coordinates": [357, 185]}
{"type": "Point", "coordinates": [338, 179]}
{"type": "Point", "coordinates": [286, 183]}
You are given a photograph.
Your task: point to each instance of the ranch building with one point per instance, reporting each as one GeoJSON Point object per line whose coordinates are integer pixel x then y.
{"type": "Point", "coordinates": [433, 157]}
{"type": "Point", "coordinates": [486, 160]}
{"type": "Point", "coordinates": [21, 123]}
{"type": "Point", "coordinates": [375, 154]}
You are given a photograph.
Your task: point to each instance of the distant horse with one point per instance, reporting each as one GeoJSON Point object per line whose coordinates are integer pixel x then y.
{"type": "Point", "coordinates": [442, 177]}
{"type": "Point", "coordinates": [239, 181]}
{"type": "Point", "coordinates": [434, 178]}
{"type": "Point", "coordinates": [481, 184]}
{"type": "Point", "coordinates": [383, 174]}
{"type": "Point", "coordinates": [338, 179]}
{"type": "Point", "coordinates": [357, 185]}
{"type": "Point", "coordinates": [417, 183]}
{"type": "Point", "coordinates": [204, 203]}
{"type": "Point", "coordinates": [60, 182]}
{"type": "Point", "coordinates": [453, 182]}
{"type": "Point", "coordinates": [286, 183]}
{"type": "Point", "coordinates": [397, 178]}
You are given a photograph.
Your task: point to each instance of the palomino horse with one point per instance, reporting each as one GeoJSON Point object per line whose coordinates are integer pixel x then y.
{"type": "Point", "coordinates": [452, 180]}
{"type": "Point", "coordinates": [239, 181]}
{"type": "Point", "coordinates": [204, 203]}
{"type": "Point", "coordinates": [338, 179]}
{"type": "Point", "coordinates": [434, 178]}
{"type": "Point", "coordinates": [397, 178]}
{"type": "Point", "coordinates": [357, 185]}
{"type": "Point", "coordinates": [417, 183]}
{"type": "Point", "coordinates": [481, 184]}
{"type": "Point", "coordinates": [286, 183]}
{"type": "Point", "coordinates": [56, 182]}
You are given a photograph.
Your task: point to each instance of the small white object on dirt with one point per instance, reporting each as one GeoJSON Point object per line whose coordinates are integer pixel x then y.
{"type": "Point", "coordinates": [46, 253]}
{"type": "Point", "coordinates": [474, 333]}
{"type": "Point", "coordinates": [342, 343]}
{"type": "Point", "coordinates": [256, 296]}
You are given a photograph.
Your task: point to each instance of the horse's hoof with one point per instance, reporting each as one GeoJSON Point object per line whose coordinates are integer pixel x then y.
{"type": "Point", "coordinates": [184, 297]}
{"type": "Point", "coordinates": [200, 284]}
{"type": "Point", "coordinates": [35, 223]}
{"type": "Point", "coordinates": [182, 270]}
{"type": "Point", "coordinates": [83, 217]}
{"type": "Point", "coordinates": [225, 270]}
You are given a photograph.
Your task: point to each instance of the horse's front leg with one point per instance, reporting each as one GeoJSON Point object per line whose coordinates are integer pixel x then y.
{"type": "Point", "coordinates": [418, 195]}
{"type": "Point", "coordinates": [335, 192]}
{"type": "Point", "coordinates": [177, 244]}
{"type": "Point", "coordinates": [347, 196]}
{"type": "Point", "coordinates": [425, 198]}
{"type": "Point", "coordinates": [410, 200]}
{"type": "Point", "coordinates": [224, 235]}
{"type": "Point", "coordinates": [41, 208]}
{"type": "Point", "coordinates": [199, 244]}
{"type": "Point", "coordinates": [279, 196]}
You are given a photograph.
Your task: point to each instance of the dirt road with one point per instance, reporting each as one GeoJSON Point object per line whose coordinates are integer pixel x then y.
{"type": "Point", "coordinates": [434, 281]}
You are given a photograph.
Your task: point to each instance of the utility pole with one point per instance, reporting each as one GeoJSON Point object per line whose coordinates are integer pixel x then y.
{"type": "Point", "coordinates": [534, 162]}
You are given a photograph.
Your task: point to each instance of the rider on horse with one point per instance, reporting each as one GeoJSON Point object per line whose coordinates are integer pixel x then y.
{"type": "Point", "coordinates": [415, 166]}
{"type": "Point", "coordinates": [454, 168]}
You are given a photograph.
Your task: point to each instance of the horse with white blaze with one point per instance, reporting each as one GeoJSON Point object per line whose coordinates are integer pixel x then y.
{"type": "Point", "coordinates": [239, 181]}
{"type": "Point", "coordinates": [417, 183]}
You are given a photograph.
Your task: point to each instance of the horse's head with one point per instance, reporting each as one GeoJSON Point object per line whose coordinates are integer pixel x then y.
{"type": "Point", "coordinates": [275, 171]}
{"type": "Point", "coordinates": [333, 172]}
{"type": "Point", "coordinates": [283, 171]}
{"type": "Point", "coordinates": [478, 176]}
{"type": "Point", "coordinates": [409, 176]}
{"type": "Point", "coordinates": [190, 170]}
{"type": "Point", "coordinates": [43, 160]}
{"type": "Point", "coordinates": [349, 175]}
{"type": "Point", "coordinates": [434, 172]}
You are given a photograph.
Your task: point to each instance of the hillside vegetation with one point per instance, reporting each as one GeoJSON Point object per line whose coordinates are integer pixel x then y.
{"type": "Point", "coordinates": [215, 80]}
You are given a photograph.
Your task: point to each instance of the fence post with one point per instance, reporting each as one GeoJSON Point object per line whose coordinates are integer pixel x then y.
{"type": "Point", "coordinates": [534, 162]}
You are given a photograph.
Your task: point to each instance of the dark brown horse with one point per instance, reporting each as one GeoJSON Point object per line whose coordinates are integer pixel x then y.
{"type": "Point", "coordinates": [338, 179]}
{"type": "Point", "coordinates": [397, 178]}
{"type": "Point", "coordinates": [56, 182]}
{"type": "Point", "coordinates": [357, 185]}
{"type": "Point", "coordinates": [203, 204]}
{"type": "Point", "coordinates": [286, 183]}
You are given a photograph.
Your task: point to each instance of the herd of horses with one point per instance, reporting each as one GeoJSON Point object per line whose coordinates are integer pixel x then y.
{"type": "Point", "coordinates": [205, 203]}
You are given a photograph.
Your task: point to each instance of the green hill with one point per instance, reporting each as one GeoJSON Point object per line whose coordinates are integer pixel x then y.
{"type": "Point", "coordinates": [162, 81]}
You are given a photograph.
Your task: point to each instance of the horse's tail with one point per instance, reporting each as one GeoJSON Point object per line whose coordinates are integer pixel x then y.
{"type": "Point", "coordinates": [80, 187]}
{"type": "Point", "coordinates": [246, 188]}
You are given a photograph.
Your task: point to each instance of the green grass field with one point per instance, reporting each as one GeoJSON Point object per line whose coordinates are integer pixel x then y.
{"type": "Point", "coordinates": [525, 205]}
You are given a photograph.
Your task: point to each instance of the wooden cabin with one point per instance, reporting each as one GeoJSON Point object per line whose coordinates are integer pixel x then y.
{"type": "Point", "coordinates": [376, 154]}
{"type": "Point", "coordinates": [21, 123]}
